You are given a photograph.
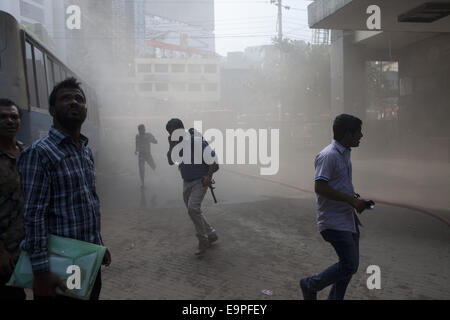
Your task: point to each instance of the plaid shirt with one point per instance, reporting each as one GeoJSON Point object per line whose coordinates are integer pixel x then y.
{"type": "Point", "coordinates": [58, 185]}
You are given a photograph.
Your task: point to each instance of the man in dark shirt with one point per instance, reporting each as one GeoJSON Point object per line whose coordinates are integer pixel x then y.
{"type": "Point", "coordinates": [11, 200]}
{"type": "Point", "coordinates": [197, 177]}
{"type": "Point", "coordinates": [58, 184]}
{"type": "Point", "coordinates": [143, 141]}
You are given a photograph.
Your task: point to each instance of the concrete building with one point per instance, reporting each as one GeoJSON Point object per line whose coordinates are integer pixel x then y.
{"type": "Point", "coordinates": [413, 33]}
{"type": "Point", "coordinates": [262, 56]}
{"type": "Point", "coordinates": [171, 32]}
{"type": "Point", "coordinates": [176, 67]}
{"type": "Point", "coordinates": [177, 81]}
{"type": "Point", "coordinates": [43, 18]}
{"type": "Point", "coordinates": [30, 11]}
{"type": "Point", "coordinates": [105, 43]}
{"type": "Point", "coordinates": [236, 75]}
{"type": "Point", "coordinates": [191, 12]}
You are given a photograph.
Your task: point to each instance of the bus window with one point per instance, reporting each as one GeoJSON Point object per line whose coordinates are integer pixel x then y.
{"type": "Point", "coordinates": [50, 74]}
{"type": "Point", "coordinates": [63, 74]}
{"type": "Point", "coordinates": [30, 74]}
{"type": "Point", "coordinates": [41, 79]}
{"type": "Point", "coordinates": [57, 73]}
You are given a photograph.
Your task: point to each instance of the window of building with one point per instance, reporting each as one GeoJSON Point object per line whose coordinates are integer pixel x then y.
{"type": "Point", "coordinates": [194, 68]}
{"type": "Point", "coordinates": [128, 87]}
{"type": "Point", "coordinates": [144, 68]}
{"type": "Point", "coordinates": [210, 68]}
{"type": "Point", "coordinates": [179, 87]}
{"type": "Point", "coordinates": [146, 87]}
{"type": "Point", "coordinates": [211, 87]}
{"type": "Point", "coordinates": [57, 72]}
{"type": "Point", "coordinates": [49, 65]}
{"type": "Point", "coordinates": [195, 87]}
{"type": "Point", "coordinates": [162, 87]}
{"type": "Point", "coordinates": [63, 73]}
{"type": "Point", "coordinates": [178, 68]}
{"type": "Point", "coordinates": [30, 11]}
{"type": "Point", "coordinates": [161, 68]}
{"type": "Point", "coordinates": [30, 74]}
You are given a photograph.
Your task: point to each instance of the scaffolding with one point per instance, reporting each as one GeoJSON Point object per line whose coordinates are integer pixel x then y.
{"type": "Point", "coordinates": [321, 36]}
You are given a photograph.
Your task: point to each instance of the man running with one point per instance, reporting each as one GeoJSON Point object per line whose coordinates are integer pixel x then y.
{"type": "Point", "coordinates": [143, 141]}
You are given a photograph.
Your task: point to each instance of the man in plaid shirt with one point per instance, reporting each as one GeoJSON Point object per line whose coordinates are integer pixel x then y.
{"type": "Point", "coordinates": [58, 184]}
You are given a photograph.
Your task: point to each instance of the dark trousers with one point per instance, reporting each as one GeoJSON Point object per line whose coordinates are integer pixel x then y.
{"type": "Point", "coordinates": [10, 293]}
{"type": "Point", "coordinates": [346, 245]}
{"type": "Point", "coordinates": [145, 158]}
{"type": "Point", "coordinates": [95, 294]}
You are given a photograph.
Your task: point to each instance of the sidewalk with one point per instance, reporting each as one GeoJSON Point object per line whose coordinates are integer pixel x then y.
{"type": "Point", "coordinates": [268, 241]}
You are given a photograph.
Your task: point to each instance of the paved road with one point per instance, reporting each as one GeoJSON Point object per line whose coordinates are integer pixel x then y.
{"type": "Point", "coordinates": [268, 240]}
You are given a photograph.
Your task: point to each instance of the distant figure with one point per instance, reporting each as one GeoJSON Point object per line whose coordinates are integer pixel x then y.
{"type": "Point", "coordinates": [11, 203]}
{"type": "Point", "coordinates": [143, 141]}
{"type": "Point", "coordinates": [196, 180]}
{"type": "Point", "coordinates": [336, 204]}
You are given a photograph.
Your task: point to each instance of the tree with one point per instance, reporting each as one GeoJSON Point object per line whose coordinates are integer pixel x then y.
{"type": "Point", "coordinates": [299, 77]}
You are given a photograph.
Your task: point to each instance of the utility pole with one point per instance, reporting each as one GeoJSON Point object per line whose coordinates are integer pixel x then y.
{"type": "Point", "coordinates": [280, 6]}
{"type": "Point", "coordinates": [280, 20]}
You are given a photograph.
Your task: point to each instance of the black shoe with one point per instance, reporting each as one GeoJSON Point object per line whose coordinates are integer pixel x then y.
{"type": "Point", "coordinates": [213, 238]}
{"type": "Point", "coordinates": [307, 294]}
{"type": "Point", "coordinates": [203, 245]}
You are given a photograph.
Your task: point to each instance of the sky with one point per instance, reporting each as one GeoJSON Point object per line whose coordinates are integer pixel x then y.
{"type": "Point", "coordinates": [244, 23]}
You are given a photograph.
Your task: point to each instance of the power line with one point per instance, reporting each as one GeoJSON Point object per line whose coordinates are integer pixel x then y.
{"type": "Point", "coordinates": [249, 18]}
{"type": "Point", "coordinates": [245, 23]}
{"type": "Point", "coordinates": [300, 30]}
{"type": "Point", "coordinates": [207, 20]}
{"type": "Point", "coordinates": [268, 27]}
{"type": "Point", "coordinates": [168, 38]}
{"type": "Point", "coordinates": [299, 35]}
{"type": "Point", "coordinates": [296, 23]}
{"type": "Point", "coordinates": [191, 1]}
{"type": "Point", "coordinates": [280, 7]}
{"type": "Point", "coordinates": [297, 9]}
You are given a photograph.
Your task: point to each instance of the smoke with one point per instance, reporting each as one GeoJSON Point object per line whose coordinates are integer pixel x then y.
{"type": "Point", "coordinates": [401, 157]}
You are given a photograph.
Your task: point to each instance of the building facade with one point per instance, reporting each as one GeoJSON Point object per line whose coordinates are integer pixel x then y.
{"type": "Point", "coordinates": [192, 83]}
{"type": "Point", "coordinates": [414, 34]}
{"type": "Point", "coordinates": [199, 14]}
{"type": "Point", "coordinates": [43, 18]}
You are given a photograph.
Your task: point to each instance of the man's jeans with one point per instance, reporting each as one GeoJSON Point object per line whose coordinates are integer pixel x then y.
{"type": "Point", "coordinates": [339, 275]}
{"type": "Point", "coordinates": [193, 194]}
{"type": "Point", "coordinates": [143, 158]}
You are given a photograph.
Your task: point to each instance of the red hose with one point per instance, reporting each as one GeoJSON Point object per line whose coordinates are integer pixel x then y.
{"type": "Point", "coordinates": [395, 204]}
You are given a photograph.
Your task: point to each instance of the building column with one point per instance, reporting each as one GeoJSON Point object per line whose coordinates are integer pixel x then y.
{"type": "Point", "coordinates": [348, 75]}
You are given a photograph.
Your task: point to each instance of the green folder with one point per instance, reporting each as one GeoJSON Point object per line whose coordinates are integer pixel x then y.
{"type": "Point", "coordinates": [64, 252]}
